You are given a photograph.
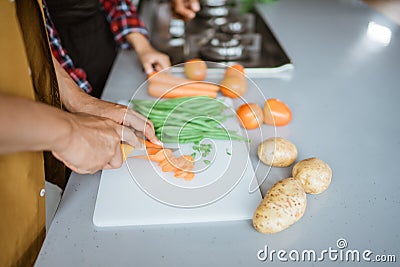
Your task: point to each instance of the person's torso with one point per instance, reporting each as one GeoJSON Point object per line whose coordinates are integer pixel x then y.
{"type": "Point", "coordinates": [72, 11]}
{"type": "Point", "coordinates": [26, 70]}
{"type": "Point", "coordinates": [85, 34]}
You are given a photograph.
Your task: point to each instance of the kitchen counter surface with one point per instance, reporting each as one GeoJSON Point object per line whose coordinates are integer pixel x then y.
{"type": "Point", "coordinates": [344, 93]}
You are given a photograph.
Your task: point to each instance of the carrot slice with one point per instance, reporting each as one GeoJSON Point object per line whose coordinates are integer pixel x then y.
{"type": "Point", "coordinates": [187, 163]}
{"type": "Point", "coordinates": [152, 151]}
{"type": "Point", "coordinates": [149, 144]}
{"type": "Point", "coordinates": [181, 166]}
{"type": "Point", "coordinates": [189, 176]}
{"type": "Point", "coordinates": [161, 155]}
{"type": "Point", "coordinates": [168, 168]}
{"type": "Point", "coordinates": [185, 175]}
{"type": "Point", "coordinates": [163, 163]}
{"type": "Point", "coordinates": [179, 174]}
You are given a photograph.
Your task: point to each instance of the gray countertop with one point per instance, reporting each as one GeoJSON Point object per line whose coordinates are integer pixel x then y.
{"type": "Point", "coordinates": [344, 94]}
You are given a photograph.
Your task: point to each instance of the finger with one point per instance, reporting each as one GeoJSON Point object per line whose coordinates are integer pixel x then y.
{"type": "Point", "coordinates": [158, 67]}
{"type": "Point", "coordinates": [137, 114]}
{"type": "Point", "coordinates": [151, 136]}
{"type": "Point", "coordinates": [181, 9]}
{"type": "Point", "coordinates": [141, 124]}
{"type": "Point", "coordinates": [164, 61]}
{"type": "Point", "coordinates": [130, 137]}
{"type": "Point", "coordinates": [194, 5]}
{"type": "Point", "coordinates": [148, 68]}
{"type": "Point", "coordinates": [116, 161]}
{"type": "Point", "coordinates": [137, 121]}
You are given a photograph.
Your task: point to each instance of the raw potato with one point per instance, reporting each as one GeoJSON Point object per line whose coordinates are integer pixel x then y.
{"type": "Point", "coordinates": [314, 174]}
{"type": "Point", "coordinates": [277, 152]}
{"type": "Point", "coordinates": [283, 205]}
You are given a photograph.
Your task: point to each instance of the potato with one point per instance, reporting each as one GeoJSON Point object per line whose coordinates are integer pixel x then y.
{"type": "Point", "coordinates": [283, 205]}
{"type": "Point", "coordinates": [314, 174]}
{"type": "Point", "coordinates": [277, 152]}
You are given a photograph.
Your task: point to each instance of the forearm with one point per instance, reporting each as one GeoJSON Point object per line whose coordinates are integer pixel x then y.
{"type": "Point", "coordinates": [72, 97]}
{"type": "Point", "coordinates": [138, 41]}
{"type": "Point", "coordinates": [76, 100]}
{"type": "Point", "coordinates": [31, 126]}
{"type": "Point", "coordinates": [151, 59]}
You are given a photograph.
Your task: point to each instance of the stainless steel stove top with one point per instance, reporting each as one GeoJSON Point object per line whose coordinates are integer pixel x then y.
{"type": "Point", "coordinates": [218, 34]}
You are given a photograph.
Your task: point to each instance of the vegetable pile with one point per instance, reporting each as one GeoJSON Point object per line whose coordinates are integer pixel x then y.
{"type": "Point", "coordinates": [285, 202]}
{"type": "Point", "coordinates": [181, 166]}
{"type": "Point", "coordinates": [187, 119]}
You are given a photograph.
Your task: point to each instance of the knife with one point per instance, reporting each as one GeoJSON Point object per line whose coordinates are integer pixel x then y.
{"type": "Point", "coordinates": [127, 149]}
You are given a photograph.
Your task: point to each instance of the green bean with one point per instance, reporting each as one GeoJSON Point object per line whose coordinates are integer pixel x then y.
{"type": "Point", "coordinates": [187, 119]}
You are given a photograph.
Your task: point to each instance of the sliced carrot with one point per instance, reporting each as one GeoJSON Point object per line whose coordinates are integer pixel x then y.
{"type": "Point", "coordinates": [157, 157]}
{"type": "Point", "coordinates": [163, 163]}
{"type": "Point", "coordinates": [152, 151]}
{"type": "Point", "coordinates": [161, 155]}
{"type": "Point", "coordinates": [189, 162]}
{"type": "Point", "coordinates": [149, 144]}
{"type": "Point", "coordinates": [168, 168]}
{"type": "Point", "coordinates": [189, 176]}
{"type": "Point", "coordinates": [186, 163]}
{"type": "Point", "coordinates": [181, 166]}
{"type": "Point", "coordinates": [179, 174]}
{"type": "Point", "coordinates": [184, 175]}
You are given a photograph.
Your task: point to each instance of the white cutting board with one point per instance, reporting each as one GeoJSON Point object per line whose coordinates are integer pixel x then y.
{"type": "Point", "coordinates": [139, 193]}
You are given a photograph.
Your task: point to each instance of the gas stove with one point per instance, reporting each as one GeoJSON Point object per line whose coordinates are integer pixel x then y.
{"type": "Point", "coordinates": [220, 33]}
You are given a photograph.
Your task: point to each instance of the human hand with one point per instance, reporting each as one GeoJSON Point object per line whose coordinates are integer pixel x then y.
{"type": "Point", "coordinates": [92, 144]}
{"type": "Point", "coordinates": [77, 101]}
{"type": "Point", "coordinates": [150, 58]}
{"type": "Point", "coordinates": [153, 60]}
{"type": "Point", "coordinates": [123, 116]}
{"type": "Point", "coordinates": [185, 9]}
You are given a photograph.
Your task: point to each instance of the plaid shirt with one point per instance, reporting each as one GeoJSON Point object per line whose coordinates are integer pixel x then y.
{"type": "Point", "coordinates": [123, 19]}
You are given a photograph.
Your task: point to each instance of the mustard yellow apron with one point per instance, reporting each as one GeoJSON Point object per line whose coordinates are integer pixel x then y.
{"type": "Point", "coordinates": [26, 70]}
